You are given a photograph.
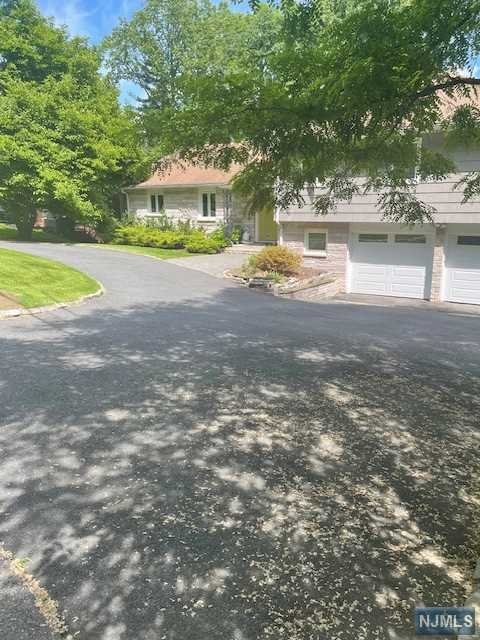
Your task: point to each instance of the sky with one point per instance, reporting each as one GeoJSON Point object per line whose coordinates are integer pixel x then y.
{"type": "Point", "coordinates": [95, 19]}
{"type": "Point", "coordinates": [92, 18]}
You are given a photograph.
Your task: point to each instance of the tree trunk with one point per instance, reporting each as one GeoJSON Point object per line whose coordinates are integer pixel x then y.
{"type": "Point", "coordinates": [24, 221]}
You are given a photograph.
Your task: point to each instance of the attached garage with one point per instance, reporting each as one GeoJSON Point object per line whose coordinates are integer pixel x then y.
{"type": "Point", "coordinates": [391, 260]}
{"type": "Point", "coordinates": [462, 266]}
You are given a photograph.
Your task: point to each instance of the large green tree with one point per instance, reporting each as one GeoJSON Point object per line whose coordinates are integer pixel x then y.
{"type": "Point", "coordinates": [168, 43]}
{"type": "Point", "coordinates": [65, 143]}
{"type": "Point", "coordinates": [346, 88]}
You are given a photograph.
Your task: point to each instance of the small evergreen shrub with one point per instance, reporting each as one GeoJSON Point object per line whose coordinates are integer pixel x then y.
{"type": "Point", "coordinates": [279, 259]}
{"type": "Point", "coordinates": [202, 245]}
{"type": "Point", "coordinates": [141, 236]}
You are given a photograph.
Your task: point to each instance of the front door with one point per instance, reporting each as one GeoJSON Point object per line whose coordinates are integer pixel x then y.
{"type": "Point", "coordinates": [267, 228]}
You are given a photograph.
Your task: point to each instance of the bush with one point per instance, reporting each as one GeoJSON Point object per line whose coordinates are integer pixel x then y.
{"type": "Point", "coordinates": [249, 267]}
{"type": "Point", "coordinates": [275, 277]}
{"type": "Point", "coordinates": [236, 234]}
{"type": "Point", "coordinates": [221, 237]}
{"type": "Point", "coordinates": [180, 236]}
{"type": "Point", "coordinates": [279, 259]}
{"type": "Point", "coordinates": [202, 245]}
{"type": "Point", "coordinates": [141, 236]}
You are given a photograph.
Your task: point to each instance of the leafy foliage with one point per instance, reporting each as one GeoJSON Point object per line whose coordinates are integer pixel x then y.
{"type": "Point", "coordinates": [176, 237]}
{"type": "Point", "coordinates": [279, 259]}
{"type": "Point", "coordinates": [198, 244]}
{"type": "Point", "coordinates": [65, 144]}
{"type": "Point", "coordinates": [330, 92]}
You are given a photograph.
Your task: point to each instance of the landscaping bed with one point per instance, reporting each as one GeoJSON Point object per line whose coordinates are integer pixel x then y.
{"type": "Point", "coordinates": [279, 271]}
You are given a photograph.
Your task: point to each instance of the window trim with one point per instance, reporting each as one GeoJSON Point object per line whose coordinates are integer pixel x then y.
{"type": "Point", "coordinates": [158, 209]}
{"type": "Point", "coordinates": [384, 234]}
{"type": "Point", "coordinates": [210, 194]}
{"type": "Point", "coordinates": [311, 252]}
{"type": "Point", "coordinates": [467, 244]}
{"type": "Point", "coordinates": [410, 235]}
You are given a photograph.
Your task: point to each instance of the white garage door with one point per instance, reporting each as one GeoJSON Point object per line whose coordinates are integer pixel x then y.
{"type": "Point", "coordinates": [391, 263]}
{"type": "Point", "coordinates": [462, 262]}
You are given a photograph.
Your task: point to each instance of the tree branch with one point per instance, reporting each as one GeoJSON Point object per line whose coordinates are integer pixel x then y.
{"type": "Point", "coordinates": [448, 84]}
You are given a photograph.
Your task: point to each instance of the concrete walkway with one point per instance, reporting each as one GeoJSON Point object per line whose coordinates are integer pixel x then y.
{"type": "Point", "coordinates": [214, 265]}
{"type": "Point", "coordinates": [184, 460]}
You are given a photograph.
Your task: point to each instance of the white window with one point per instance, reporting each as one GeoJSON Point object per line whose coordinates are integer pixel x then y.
{"type": "Point", "coordinates": [410, 238]}
{"type": "Point", "coordinates": [315, 242]}
{"type": "Point", "coordinates": [469, 241]}
{"type": "Point", "coordinates": [209, 205]}
{"type": "Point", "coordinates": [156, 203]}
{"type": "Point", "coordinates": [373, 237]}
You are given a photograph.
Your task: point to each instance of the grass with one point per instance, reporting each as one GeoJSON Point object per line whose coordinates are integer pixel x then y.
{"type": "Point", "coordinates": [35, 282]}
{"type": "Point", "coordinates": [8, 232]}
{"type": "Point", "coordinates": [162, 254]}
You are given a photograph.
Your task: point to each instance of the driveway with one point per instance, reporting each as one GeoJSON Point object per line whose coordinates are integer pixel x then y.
{"type": "Point", "coordinates": [185, 460]}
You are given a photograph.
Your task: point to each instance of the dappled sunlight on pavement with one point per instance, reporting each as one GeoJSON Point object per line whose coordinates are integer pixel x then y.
{"type": "Point", "coordinates": [237, 467]}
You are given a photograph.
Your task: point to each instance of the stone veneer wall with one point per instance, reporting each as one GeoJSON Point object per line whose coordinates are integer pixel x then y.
{"type": "Point", "coordinates": [438, 265]}
{"type": "Point", "coordinates": [293, 236]}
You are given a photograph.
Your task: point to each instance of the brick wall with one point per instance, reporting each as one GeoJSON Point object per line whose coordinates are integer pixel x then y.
{"type": "Point", "coordinates": [293, 235]}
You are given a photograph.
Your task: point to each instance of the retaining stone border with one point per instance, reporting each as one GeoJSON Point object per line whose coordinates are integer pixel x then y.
{"type": "Point", "coordinates": [319, 287]}
{"type": "Point", "coordinates": [16, 313]}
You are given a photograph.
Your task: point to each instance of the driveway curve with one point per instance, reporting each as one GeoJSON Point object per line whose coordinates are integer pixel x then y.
{"type": "Point", "coordinates": [182, 459]}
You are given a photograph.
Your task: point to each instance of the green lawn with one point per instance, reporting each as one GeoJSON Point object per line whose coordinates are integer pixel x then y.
{"type": "Point", "coordinates": [162, 254]}
{"type": "Point", "coordinates": [10, 233]}
{"type": "Point", "coordinates": [35, 282]}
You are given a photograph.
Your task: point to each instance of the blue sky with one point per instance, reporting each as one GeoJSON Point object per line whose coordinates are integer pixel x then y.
{"type": "Point", "coordinates": [92, 18]}
{"type": "Point", "coordinates": [95, 19]}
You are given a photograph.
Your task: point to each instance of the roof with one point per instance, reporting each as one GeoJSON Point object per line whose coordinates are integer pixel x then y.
{"type": "Point", "coordinates": [187, 175]}
{"type": "Point", "coordinates": [450, 103]}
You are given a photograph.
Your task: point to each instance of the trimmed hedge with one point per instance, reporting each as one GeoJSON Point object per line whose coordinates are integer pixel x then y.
{"type": "Point", "coordinates": [203, 245]}
{"type": "Point", "coordinates": [195, 241]}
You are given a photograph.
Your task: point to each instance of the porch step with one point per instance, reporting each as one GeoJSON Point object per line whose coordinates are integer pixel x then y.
{"type": "Point", "coordinates": [246, 248]}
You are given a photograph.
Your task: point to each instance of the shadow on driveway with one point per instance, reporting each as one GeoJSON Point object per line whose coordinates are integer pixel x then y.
{"type": "Point", "coordinates": [216, 469]}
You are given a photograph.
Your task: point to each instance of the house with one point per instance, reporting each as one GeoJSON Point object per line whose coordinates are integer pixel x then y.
{"type": "Point", "coordinates": [202, 195]}
{"type": "Point", "coordinates": [437, 262]}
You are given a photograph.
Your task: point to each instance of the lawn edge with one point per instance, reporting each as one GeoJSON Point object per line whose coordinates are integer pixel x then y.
{"type": "Point", "coordinates": [45, 604]}
{"type": "Point", "coordinates": [134, 253]}
{"type": "Point", "coordinates": [16, 313]}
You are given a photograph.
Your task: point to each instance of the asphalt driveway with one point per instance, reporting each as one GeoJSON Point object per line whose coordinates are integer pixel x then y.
{"type": "Point", "coordinates": [183, 459]}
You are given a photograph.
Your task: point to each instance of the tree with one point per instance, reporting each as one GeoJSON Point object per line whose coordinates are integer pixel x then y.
{"type": "Point", "coordinates": [65, 144]}
{"type": "Point", "coordinates": [348, 88]}
{"type": "Point", "coordinates": [170, 42]}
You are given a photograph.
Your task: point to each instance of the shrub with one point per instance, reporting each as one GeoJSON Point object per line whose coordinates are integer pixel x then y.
{"type": "Point", "coordinates": [160, 221]}
{"type": "Point", "coordinates": [275, 277]}
{"type": "Point", "coordinates": [220, 236]}
{"type": "Point", "coordinates": [148, 237]}
{"type": "Point", "coordinates": [202, 245]}
{"type": "Point", "coordinates": [249, 267]}
{"type": "Point", "coordinates": [279, 259]}
{"type": "Point", "coordinates": [236, 234]}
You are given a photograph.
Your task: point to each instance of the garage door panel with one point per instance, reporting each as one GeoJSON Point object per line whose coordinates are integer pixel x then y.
{"type": "Point", "coordinates": [462, 278]}
{"type": "Point", "coordinates": [408, 290]}
{"type": "Point", "coordinates": [412, 273]}
{"type": "Point", "coordinates": [393, 269]}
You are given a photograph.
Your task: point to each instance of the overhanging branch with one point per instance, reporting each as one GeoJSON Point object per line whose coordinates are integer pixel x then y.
{"type": "Point", "coordinates": [448, 84]}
